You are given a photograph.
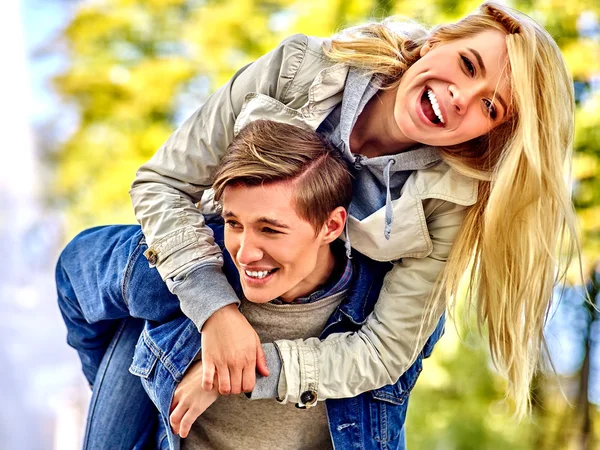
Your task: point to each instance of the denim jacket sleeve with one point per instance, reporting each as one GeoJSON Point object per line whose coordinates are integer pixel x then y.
{"type": "Point", "coordinates": [166, 188]}
{"type": "Point", "coordinates": [347, 364]}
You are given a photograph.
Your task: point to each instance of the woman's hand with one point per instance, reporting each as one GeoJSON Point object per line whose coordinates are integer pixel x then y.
{"type": "Point", "coordinates": [190, 400]}
{"type": "Point", "coordinates": [231, 352]}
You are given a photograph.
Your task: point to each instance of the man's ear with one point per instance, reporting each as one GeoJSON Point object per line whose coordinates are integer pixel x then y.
{"type": "Point", "coordinates": [334, 225]}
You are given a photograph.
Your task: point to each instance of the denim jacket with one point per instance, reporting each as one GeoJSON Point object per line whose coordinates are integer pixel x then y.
{"type": "Point", "coordinates": [372, 420]}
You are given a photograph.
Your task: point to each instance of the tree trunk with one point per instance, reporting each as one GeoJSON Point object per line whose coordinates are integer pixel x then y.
{"type": "Point", "coordinates": [583, 407]}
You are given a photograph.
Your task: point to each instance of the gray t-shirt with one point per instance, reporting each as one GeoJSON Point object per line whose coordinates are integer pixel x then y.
{"type": "Point", "coordinates": [234, 422]}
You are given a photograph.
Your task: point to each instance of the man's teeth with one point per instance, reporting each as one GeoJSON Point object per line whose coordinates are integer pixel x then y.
{"type": "Point", "coordinates": [259, 275]}
{"type": "Point", "coordinates": [435, 105]}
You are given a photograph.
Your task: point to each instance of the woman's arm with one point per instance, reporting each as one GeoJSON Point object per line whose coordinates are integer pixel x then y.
{"type": "Point", "coordinates": [164, 194]}
{"type": "Point", "coordinates": [166, 188]}
{"type": "Point", "coordinates": [347, 364]}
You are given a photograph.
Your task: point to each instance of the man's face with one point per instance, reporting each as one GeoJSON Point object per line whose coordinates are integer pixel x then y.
{"type": "Point", "coordinates": [276, 252]}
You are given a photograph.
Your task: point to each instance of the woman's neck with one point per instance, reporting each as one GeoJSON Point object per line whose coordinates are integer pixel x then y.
{"type": "Point", "coordinates": [376, 132]}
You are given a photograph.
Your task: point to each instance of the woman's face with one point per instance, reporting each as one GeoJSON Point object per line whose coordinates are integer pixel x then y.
{"type": "Point", "coordinates": [456, 91]}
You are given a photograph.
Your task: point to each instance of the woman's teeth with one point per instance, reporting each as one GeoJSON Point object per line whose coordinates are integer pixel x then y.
{"type": "Point", "coordinates": [435, 105]}
{"type": "Point", "coordinates": [259, 275]}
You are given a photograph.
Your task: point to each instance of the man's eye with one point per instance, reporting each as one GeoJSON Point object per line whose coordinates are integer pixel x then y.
{"type": "Point", "coordinates": [270, 230]}
{"type": "Point", "coordinates": [491, 108]}
{"type": "Point", "coordinates": [468, 65]}
{"type": "Point", "coordinates": [232, 224]}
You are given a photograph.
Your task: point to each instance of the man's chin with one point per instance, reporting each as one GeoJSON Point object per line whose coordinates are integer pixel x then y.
{"type": "Point", "coordinates": [259, 295]}
{"type": "Point", "coordinates": [256, 299]}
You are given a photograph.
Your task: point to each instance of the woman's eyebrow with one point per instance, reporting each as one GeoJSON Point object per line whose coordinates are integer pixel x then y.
{"type": "Point", "coordinates": [501, 101]}
{"type": "Point", "coordinates": [479, 60]}
{"type": "Point", "coordinates": [484, 73]}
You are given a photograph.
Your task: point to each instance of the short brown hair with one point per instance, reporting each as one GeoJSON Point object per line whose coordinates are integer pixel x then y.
{"type": "Point", "coordinates": [267, 152]}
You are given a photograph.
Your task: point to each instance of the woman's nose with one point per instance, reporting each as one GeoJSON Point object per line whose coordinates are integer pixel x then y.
{"type": "Point", "coordinates": [460, 98]}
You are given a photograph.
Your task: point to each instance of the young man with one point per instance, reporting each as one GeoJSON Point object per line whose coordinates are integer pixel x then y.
{"type": "Point", "coordinates": [283, 212]}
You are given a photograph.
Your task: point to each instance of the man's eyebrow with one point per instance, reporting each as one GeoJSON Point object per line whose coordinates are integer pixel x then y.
{"type": "Point", "coordinates": [226, 214]}
{"type": "Point", "coordinates": [274, 222]}
{"type": "Point", "coordinates": [479, 60]}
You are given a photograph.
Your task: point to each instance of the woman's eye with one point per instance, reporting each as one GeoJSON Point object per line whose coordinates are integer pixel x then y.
{"type": "Point", "coordinates": [468, 65]}
{"type": "Point", "coordinates": [490, 108]}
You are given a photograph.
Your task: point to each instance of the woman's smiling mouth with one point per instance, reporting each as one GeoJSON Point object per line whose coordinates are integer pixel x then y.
{"type": "Point", "coordinates": [431, 108]}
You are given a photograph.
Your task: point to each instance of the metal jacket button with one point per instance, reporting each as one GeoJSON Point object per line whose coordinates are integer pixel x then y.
{"type": "Point", "coordinates": [152, 256]}
{"type": "Point", "coordinates": [307, 400]}
{"type": "Point", "coordinates": [308, 397]}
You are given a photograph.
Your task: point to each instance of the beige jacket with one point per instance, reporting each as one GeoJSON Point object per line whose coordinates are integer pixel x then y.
{"type": "Point", "coordinates": [296, 84]}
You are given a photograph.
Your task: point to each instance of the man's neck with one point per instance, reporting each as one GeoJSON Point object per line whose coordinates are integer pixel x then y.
{"type": "Point", "coordinates": [330, 267]}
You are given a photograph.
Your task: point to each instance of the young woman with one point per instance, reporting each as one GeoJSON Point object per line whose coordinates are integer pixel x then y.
{"type": "Point", "coordinates": [458, 137]}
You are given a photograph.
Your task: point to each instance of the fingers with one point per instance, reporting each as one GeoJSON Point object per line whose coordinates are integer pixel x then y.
{"type": "Point", "coordinates": [187, 422]}
{"type": "Point", "coordinates": [175, 418]}
{"type": "Point", "coordinates": [208, 375]}
{"type": "Point", "coordinates": [182, 420]}
{"type": "Point", "coordinates": [249, 379]}
{"type": "Point", "coordinates": [224, 381]}
{"type": "Point", "coordinates": [235, 375]}
{"type": "Point", "coordinates": [174, 403]}
{"type": "Point", "coordinates": [261, 361]}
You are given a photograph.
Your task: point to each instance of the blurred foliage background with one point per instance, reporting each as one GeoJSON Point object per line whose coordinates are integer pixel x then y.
{"type": "Point", "coordinates": [136, 69]}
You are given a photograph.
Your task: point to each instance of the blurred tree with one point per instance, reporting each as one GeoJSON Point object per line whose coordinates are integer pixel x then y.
{"type": "Point", "coordinates": [128, 63]}
{"type": "Point", "coordinates": [137, 68]}
{"type": "Point", "coordinates": [576, 29]}
{"type": "Point", "coordinates": [458, 403]}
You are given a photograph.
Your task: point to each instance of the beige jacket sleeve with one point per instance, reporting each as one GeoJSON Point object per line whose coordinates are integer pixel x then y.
{"type": "Point", "coordinates": [166, 188]}
{"type": "Point", "coordinates": [348, 364]}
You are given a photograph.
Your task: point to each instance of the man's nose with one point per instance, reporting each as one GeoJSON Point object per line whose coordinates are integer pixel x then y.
{"type": "Point", "coordinates": [249, 250]}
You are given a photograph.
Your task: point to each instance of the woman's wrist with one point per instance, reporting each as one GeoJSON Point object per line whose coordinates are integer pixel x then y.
{"type": "Point", "coordinates": [203, 292]}
{"type": "Point", "coordinates": [223, 313]}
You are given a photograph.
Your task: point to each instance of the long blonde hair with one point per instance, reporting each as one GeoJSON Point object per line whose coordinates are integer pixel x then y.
{"type": "Point", "coordinates": [509, 240]}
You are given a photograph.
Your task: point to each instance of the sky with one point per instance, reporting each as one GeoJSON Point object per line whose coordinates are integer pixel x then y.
{"type": "Point", "coordinates": [42, 20]}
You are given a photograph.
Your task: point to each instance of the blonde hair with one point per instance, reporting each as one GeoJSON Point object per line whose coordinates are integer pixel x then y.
{"type": "Point", "coordinates": [267, 152]}
{"type": "Point", "coordinates": [509, 240]}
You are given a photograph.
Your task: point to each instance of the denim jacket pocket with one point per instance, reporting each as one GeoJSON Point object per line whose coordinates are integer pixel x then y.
{"type": "Point", "coordinates": [144, 359]}
{"type": "Point", "coordinates": [398, 393]}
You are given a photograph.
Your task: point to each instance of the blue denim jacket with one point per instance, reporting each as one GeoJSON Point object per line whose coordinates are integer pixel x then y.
{"type": "Point", "coordinates": [373, 420]}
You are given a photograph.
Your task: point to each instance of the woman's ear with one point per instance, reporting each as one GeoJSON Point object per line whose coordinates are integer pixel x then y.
{"type": "Point", "coordinates": [431, 42]}
{"type": "Point", "coordinates": [334, 225]}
